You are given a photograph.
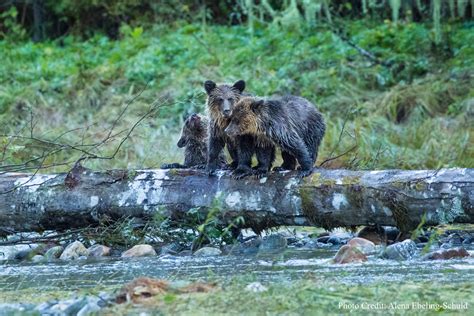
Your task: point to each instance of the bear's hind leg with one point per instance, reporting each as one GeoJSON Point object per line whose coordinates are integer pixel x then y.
{"type": "Point", "coordinates": [289, 162]}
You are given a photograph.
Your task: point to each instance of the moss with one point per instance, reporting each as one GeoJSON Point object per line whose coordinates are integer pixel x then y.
{"type": "Point", "coordinates": [315, 179]}
{"type": "Point", "coordinates": [309, 208]}
{"type": "Point", "coordinates": [351, 180]}
{"type": "Point", "coordinates": [420, 186]}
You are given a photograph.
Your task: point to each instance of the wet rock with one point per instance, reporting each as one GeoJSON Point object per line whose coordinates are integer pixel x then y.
{"type": "Point", "coordinates": [256, 287]}
{"type": "Point", "coordinates": [53, 253]}
{"type": "Point", "coordinates": [373, 234]}
{"type": "Point", "coordinates": [17, 309]}
{"type": "Point", "coordinates": [143, 250]}
{"type": "Point", "coordinates": [349, 254]}
{"type": "Point", "coordinates": [22, 255]}
{"type": "Point", "coordinates": [38, 258]}
{"type": "Point", "coordinates": [207, 252]}
{"type": "Point", "coordinates": [28, 253]}
{"type": "Point", "coordinates": [171, 249]}
{"type": "Point", "coordinates": [249, 247]}
{"type": "Point", "coordinates": [421, 239]}
{"type": "Point", "coordinates": [365, 246]}
{"type": "Point", "coordinates": [444, 254]}
{"type": "Point", "coordinates": [323, 239]}
{"type": "Point", "coordinates": [314, 244]}
{"type": "Point", "coordinates": [401, 250]}
{"type": "Point", "coordinates": [70, 307]}
{"type": "Point", "coordinates": [455, 239]}
{"type": "Point", "coordinates": [339, 237]}
{"type": "Point", "coordinates": [391, 233]}
{"type": "Point", "coordinates": [334, 240]}
{"type": "Point", "coordinates": [92, 306]}
{"type": "Point", "coordinates": [446, 246]}
{"type": "Point", "coordinates": [99, 251]}
{"type": "Point", "coordinates": [273, 243]}
{"type": "Point", "coordinates": [8, 252]}
{"type": "Point", "coordinates": [323, 234]}
{"type": "Point", "coordinates": [186, 253]}
{"type": "Point", "coordinates": [468, 240]}
{"type": "Point", "coordinates": [73, 251]}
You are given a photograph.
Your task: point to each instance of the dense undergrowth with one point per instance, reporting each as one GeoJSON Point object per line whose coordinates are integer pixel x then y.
{"type": "Point", "coordinates": [415, 110]}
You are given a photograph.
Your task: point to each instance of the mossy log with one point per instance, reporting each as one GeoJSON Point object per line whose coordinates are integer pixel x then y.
{"type": "Point", "coordinates": [328, 198]}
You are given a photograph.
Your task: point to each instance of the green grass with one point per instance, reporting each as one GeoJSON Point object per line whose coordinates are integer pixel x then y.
{"type": "Point", "coordinates": [414, 115]}
{"type": "Point", "coordinates": [308, 297]}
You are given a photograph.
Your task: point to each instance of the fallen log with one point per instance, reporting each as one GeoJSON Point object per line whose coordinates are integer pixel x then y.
{"type": "Point", "coordinates": [328, 198]}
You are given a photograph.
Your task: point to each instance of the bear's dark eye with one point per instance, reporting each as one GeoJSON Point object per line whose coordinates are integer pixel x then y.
{"type": "Point", "coordinates": [219, 100]}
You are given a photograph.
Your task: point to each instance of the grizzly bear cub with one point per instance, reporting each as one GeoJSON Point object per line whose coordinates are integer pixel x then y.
{"type": "Point", "coordinates": [292, 123]}
{"type": "Point", "coordinates": [194, 137]}
{"type": "Point", "coordinates": [221, 100]}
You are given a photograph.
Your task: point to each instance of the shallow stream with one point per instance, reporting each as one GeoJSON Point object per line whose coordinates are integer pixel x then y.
{"type": "Point", "coordinates": [291, 265]}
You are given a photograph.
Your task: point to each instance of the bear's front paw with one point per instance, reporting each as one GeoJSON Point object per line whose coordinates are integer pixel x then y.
{"type": "Point", "coordinates": [260, 173]}
{"type": "Point", "coordinates": [241, 173]}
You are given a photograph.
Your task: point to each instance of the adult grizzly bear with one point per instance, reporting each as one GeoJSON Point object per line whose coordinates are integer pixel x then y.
{"type": "Point", "coordinates": [221, 100]}
{"type": "Point", "coordinates": [293, 123]}
{"type": "Point", "coordinates": [194, 137]}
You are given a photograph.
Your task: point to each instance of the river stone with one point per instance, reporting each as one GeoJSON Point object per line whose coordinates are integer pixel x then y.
{"type": "Point", "coordinates": [207, 252]}
{"type": "Point", "coordinates": [92, 306]}
{"type": "Point", "coordinates": [315, 244]}
{"type": "Point", "coordinates": [401, 250]}
{"type": "Point", "coordinates": [143, 250]}
{"type": "Point", "coordinates": [349, 254]}
{"type": "Point", "coordinates": [17, 309]}
{"type": "Point", "coordinates": [171, 249]}
{"type": "Point", "coordinates": [99, 251]}
{"type": "Point", "coordinates": [256, 287]}
{"type": "Point", "coordinates": [273, 243]}
{"type": "Point", "coordinates": [74, 251]}
{"type": "Point", "coordinates": [366, 246]}
{"type": "Point", "coordinates": [377, 236]}
{"type": "Point", "coordinates": [445, 254]}
{"type": "Point", "coordinates": [53, 253]}
{"type": "Point", "coordinates": [341, 237]}
{"type": "Point", "coordinates": [249, 247]}
{"type": "Point", "coordinates": [68, 307]}
{"type": "Point", "coordinates": [38, 258]}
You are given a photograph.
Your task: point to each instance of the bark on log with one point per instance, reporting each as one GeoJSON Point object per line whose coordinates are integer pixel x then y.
{"type": "Point", "coordinates": [328, 198]}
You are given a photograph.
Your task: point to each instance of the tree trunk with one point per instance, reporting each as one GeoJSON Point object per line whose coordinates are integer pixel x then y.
{"type": "Point", "coordinates": [38, 21]}
{"type": "Point", "coordinates": [328, 198]}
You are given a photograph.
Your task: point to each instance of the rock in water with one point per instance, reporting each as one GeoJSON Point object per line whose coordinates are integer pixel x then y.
{"type": "Point", "coordinates": [366, 246]}
{"type": "Point", "coordinates": [250, 247]}
{"type": "Point", "coordinates": [349, 254]}
{"type": "Point", "coordinates": [207, 252]}
{"type": "Point", "coordinates": [37, 258]}
{"type": "Point", "coordinates": [401, 250]}
{"type": "Point", "coordinates": [139, 251]}
{"type": "Point", "coordinates": [99, 251]}
{"type": "Point", "coordinates": [374, 234]}
{"type": "Point", "coordinates": [74, 251]}
{"type": "Point", "coordinates": [273, 243]}
{"type": "Point", "coordinates": [53, 253]}
{"type": "Point", "coordinates": [256, 287]}
{"type": "Point", "coordinates": [445, 254]}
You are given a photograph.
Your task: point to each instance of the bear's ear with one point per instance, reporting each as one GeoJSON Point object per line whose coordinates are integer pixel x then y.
{"type": "Point", "coordinates": [209, 86]}
{"type": "Point", "coordinates": [257, 105]}
{"type": "Point", "coordinates": [239, 85]}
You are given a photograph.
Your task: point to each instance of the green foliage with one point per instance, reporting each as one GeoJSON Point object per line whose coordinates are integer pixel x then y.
{"type": "Point", "coordinates": [413, 114]}
{"type": "Point", "coordinates": [10, 29]}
